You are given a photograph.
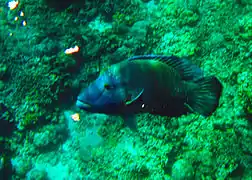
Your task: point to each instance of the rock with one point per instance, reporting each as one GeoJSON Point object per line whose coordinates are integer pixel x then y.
{"type": "Point", "coordinates": [182, 169]}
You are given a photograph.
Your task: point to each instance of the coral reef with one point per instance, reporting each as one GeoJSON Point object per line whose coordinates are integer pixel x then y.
{"type": "Point", "coordinates": [39, 83]}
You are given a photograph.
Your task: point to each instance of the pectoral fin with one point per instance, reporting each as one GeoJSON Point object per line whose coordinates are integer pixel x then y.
{"type": "Point", "coordinates": [133, 95]}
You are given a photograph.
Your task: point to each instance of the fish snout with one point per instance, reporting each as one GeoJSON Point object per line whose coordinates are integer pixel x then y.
{"type": "Point", "coordinates": [82, 100]}
{"type": "Point", "coordinates": [88, 97]}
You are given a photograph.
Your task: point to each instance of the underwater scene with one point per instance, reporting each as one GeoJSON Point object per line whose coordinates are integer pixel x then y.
{"type": "Point", "coordinates": [125, 89]}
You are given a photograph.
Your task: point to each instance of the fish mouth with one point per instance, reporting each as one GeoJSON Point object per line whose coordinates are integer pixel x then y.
{"type": "Point", "coordinates": [82, 105]}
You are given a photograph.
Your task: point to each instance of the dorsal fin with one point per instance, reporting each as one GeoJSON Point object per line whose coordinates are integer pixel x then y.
{"type": "Point", "coordinates": [187, 70]}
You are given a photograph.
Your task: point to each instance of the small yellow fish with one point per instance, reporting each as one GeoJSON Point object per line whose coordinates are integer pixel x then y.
{"type": "Point", "coordinates": [75, 117]}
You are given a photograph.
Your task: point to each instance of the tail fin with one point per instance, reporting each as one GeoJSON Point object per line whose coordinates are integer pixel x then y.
{"type": "Point", "coordinates": [205, 98]}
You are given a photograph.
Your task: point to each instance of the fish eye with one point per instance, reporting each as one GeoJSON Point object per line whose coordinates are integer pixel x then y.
{"type": "Point", "coordinates": [108, 87]}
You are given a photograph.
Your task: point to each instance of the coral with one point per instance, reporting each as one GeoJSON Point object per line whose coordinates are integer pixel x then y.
{"type": "Point", "coordinates": [139, 30]}
{"type": "Point", "coordinates": [36, 174]}
{"type": "Point", "coordinates": [180, 44]}
{"type": "Point", "coordinates": [21, 166]}
{"type": "Point", "coordinates": [244, 80]}
{"type": "Point", "coordinates": [187, 17]}
{"type": "Point", "coordinates": [88, 142]}
{"type": "Point", "coordinates": [49, 137]}
{"type": "Point", "coordinates": [3, 70]}
{"type": "Point", "coordinates": [1, 85]}
{"type": "Point", "coordinates": [30, 119]}
{"type": "Point", "coordinates": [124, 18]}
{"type": "Point", "coordinates": [40, 84]}
{"type": "Point", "coordinates": [246, 27]}
{"type": "Point", "coordinates": [182, 169]}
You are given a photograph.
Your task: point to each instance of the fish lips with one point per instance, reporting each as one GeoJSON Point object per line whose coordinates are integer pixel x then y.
{"type": "Point", "coordinates": [82, 105]}
{"type": "Point", "coordinates": [87, 107]}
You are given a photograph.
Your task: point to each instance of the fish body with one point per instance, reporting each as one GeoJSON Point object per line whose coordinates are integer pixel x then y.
{"type": "Point", "coordinates": [163, 85]}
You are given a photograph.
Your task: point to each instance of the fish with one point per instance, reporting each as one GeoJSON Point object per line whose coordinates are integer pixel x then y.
{"type": "Point", "coordinates": [156, 84]}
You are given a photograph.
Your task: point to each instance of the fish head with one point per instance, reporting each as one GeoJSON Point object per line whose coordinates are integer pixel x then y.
{"type": "Point", "coordinates": [103, 95]}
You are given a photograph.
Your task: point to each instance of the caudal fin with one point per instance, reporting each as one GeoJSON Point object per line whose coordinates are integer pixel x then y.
{"type": "Point", "coordinates": [205, 98]}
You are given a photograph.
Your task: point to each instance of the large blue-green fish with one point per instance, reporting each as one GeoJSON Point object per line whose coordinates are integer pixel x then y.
{"type": "Point", "coordinates": [163, 85]}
